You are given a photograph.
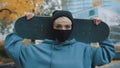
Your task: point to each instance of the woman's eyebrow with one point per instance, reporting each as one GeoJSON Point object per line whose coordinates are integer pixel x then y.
{"type": "Point", "coordinates": [58, 24]}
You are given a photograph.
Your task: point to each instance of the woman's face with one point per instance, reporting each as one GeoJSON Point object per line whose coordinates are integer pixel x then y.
{"type": "Point", "coordinates": [62, 23]}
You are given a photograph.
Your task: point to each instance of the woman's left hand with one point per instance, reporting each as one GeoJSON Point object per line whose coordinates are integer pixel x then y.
{"type": "Point", "coordinates": [97, 21]}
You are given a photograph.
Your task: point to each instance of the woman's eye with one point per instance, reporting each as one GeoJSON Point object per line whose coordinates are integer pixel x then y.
{"type": "Point", "coordinates": [58, 26]}
{"type": "Point", "coordinates": [67, 26]}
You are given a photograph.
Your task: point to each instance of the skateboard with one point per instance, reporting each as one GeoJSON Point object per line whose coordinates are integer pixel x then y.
{"type": "Point", "coordinates": [39, 28]}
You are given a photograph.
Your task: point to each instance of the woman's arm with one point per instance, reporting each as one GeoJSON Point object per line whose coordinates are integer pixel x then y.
{"type": "Point", "coordinates": [13, 45]}
{"type": "Point", "coordinates": [104, 53]}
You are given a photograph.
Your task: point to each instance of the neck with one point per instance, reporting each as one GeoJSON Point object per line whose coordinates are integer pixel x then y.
{"type": "Point", "coordinates": [59, 41]}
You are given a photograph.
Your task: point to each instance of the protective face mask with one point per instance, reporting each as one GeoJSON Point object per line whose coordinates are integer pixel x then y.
{"type": "Point", "coordinates": [61, 35]}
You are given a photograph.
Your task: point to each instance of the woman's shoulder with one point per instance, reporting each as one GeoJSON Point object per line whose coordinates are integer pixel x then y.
{"type": "Point", "coordinates": [83, 44]}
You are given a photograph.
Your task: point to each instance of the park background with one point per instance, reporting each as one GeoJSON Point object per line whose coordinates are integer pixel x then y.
{"type": "Point", "coordinates": [107, 10]}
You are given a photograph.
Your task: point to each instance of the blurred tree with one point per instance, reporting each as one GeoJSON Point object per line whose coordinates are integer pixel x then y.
{"type": "Point", "coordinates": [10, 10]}
{"type": "Point", "coordinates": [3, 25]}
{"type": "Point", "coordinates": [49, 6]}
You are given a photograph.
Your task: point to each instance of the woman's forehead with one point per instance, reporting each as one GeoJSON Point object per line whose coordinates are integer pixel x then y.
{"type": "Point", "coordinates": [62, 20]}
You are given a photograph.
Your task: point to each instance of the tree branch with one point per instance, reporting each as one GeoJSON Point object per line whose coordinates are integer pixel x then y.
{"type": "Point", "coordinates": [6, 10]}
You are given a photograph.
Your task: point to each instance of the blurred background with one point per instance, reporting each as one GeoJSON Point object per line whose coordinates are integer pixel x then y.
{"type": "Point", "coordinates": [107, 10]}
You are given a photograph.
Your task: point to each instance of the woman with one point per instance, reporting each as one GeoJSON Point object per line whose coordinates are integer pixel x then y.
{"type": "Point", "coordinates": [61, 52]}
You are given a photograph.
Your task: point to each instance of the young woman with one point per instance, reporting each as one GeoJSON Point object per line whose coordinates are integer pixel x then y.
{"type": "Point", "coordinates": [61, 52]}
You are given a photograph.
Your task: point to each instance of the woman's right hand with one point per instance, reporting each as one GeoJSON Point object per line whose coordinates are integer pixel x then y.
{"type": "Point", "coordinates": [29, 15]}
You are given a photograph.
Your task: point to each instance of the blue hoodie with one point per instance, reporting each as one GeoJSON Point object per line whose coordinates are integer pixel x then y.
{"type": "Point", "coordinates": [50, 54]}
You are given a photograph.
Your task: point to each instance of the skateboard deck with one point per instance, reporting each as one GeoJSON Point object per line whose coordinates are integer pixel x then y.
{"type": "Point", "coordinates": [39, 28]}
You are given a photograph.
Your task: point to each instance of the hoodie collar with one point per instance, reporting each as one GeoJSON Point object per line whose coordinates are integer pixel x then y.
{"type": "Point", "coordinates": [67, 42]}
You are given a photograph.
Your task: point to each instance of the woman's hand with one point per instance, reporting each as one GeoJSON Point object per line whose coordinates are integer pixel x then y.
{"type": "Point", "coordinates": [97, 21]}
{"type": "Point", "coordinates": [29, 15]}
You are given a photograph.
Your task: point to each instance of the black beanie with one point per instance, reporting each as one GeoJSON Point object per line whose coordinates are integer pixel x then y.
{"type": "Point", "coordinates": [60, 13]}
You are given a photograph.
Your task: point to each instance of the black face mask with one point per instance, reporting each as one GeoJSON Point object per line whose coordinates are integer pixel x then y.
{"type": "Point", "coordinates": [61, 35]}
